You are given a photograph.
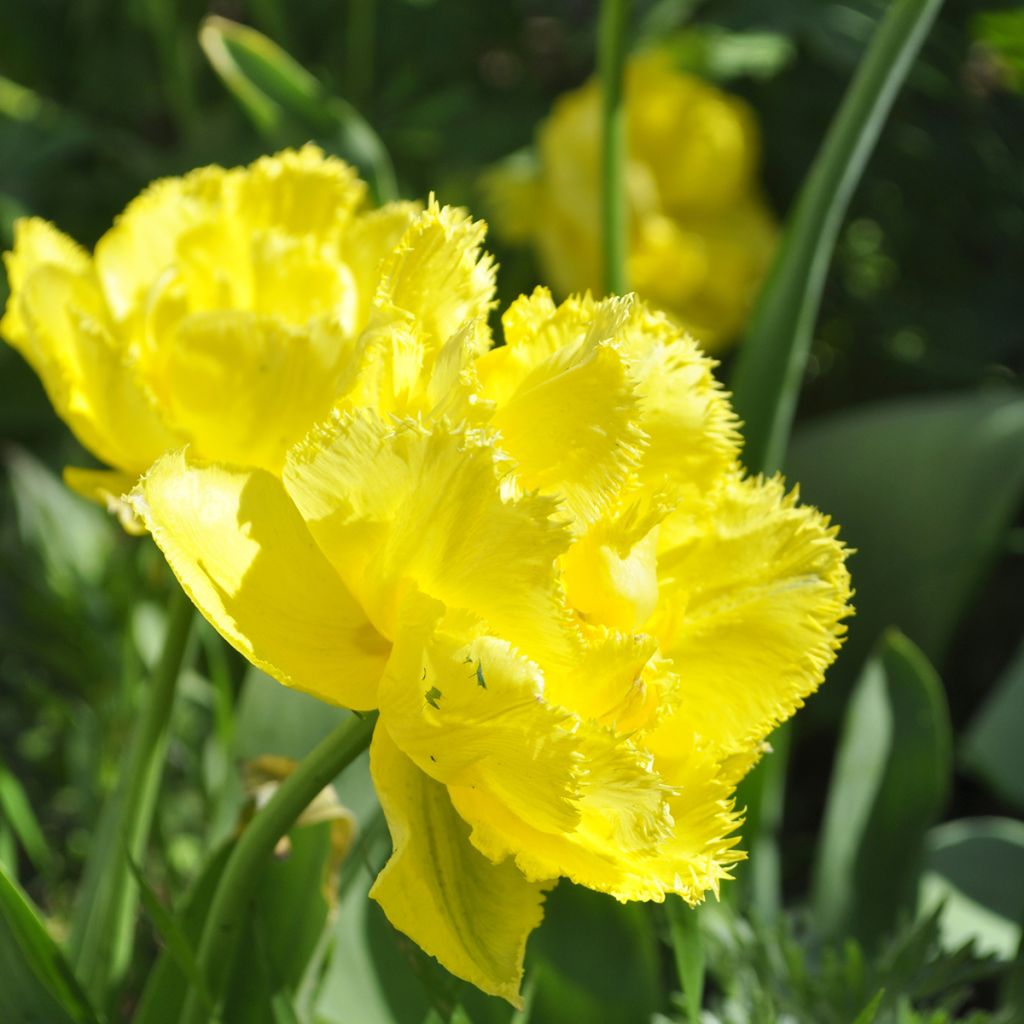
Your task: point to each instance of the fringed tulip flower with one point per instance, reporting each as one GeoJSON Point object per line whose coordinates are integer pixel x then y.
{"type": "Point", "coordinates": [544, 565]}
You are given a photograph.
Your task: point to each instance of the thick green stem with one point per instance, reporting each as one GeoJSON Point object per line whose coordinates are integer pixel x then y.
{"type": "Point", "coordinates": [614, 226]}
{"type": "Point", "coordinates": [100, 943]}
{"type": "Point", "coordinates": [238, 884]}
{"type": "Point", "coordinates": [770, 365]}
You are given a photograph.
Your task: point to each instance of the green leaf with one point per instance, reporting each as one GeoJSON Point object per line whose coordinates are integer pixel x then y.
{"type": "Point", "coordinates": [36, 983]}
{"type": "Point", "coordinates": [1002, 34]}
{"type": "Point", "coordinates": [613, 975]}
{"type": "Point", "coordinates": [924, 489]}
{"type": "Point", "coordinates": [889, 782]}
{"type": "Point", "coordinates": [771, 361]}
{"type": "Point", "coordinates": [992, 748]}
{"type": "Point", "coordinates": [688, 949]}
{"type": "Point", "coordinates": [279, 94]}
{"type": "Point", "coordinates": [174, 938]}
{"type": "Point", "coordinates": [103, 926]}
{"type": "Point", "coordinates": [870, 1012]}
{"type": "Point", "coordinates": [164, 993]}
{"type": "Point", "coordinates": [721, 55]}
{"type": "Point", "coordinates": [73, 537]}
{"type": "Point", "coordinates": [974, 868]}
{"type": "Point", "coordinates": [16, 810]}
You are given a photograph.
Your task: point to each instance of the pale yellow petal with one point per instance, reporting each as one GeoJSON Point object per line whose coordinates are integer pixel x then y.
{"type": "Point", "coordinates": [57, 318]}
{"type": "Point", "coordinates": [691, 429]}
{"type": "Point", "coordinates": [437, 274]}
{"type": "Point", "coordinates": [474, 916]}
{"type": "Point", "coordinates": [245, 557]}
{"type": "Point", "coordinates": [470, 710]}
{"type": "Point", "coordinates": [369, 239]}
{"type": "Point", "coordinates": [395, 505]}
{"type": "Point", "coordinates": [143, 242]}
{"type": "Point", "coordinates": [572, 426]}
{"type": "Point", "coordinates": [245, 388]}
{"type": "Point", "coordinates": [754, 588]}
{"type": "Point", "coordinates": [298, 192]}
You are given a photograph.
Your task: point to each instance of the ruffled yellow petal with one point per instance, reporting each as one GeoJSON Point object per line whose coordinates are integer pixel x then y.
{"type": "Point", "coordinates": [370, 238]}
{"type": "Point", "coordinates": [143, 242]}
{"type": "Point", "coordinates": [437, 275]}
{"type": "Point", "coordinates": [473, 915]}
{"type": "Point", "coordinates": [245, 388]}
{"type": "Point", "coordinates": [244, 556]}
{"type": "Point", "coordinates": [397, 505]}
{"type": "Point", "coordinates": [473, 713]}
{"type": "Point", "coordinates": [691, 429]}
{"type": "Point", "coordinates": [57, 318]}
{"type": "Point", "coordinates": [753, 591]}
{"type": "Point", "coordinates": [572, 427]}
{"type": "Point", "coordinates": [299, 193]}
{"type": "Point", "coordinates": [470, 710]}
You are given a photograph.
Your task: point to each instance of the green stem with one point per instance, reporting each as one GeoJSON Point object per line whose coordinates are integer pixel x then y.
{"type": "Point", "coordinates": [99, 946]}
{"type": "Point", "coordinates": [614, 226]}
{"type": "Point", "coordinates": [770, 365]}
{"type": "Point", "coordinates": [688, 950]}
{"type": "Point", "coordinates": [255, 846]}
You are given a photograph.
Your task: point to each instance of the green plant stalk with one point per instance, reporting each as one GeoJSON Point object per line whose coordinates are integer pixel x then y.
{"type": "Point", "coordinates": [99, 946]}
{"type": "Point", "coordinates": [255, 846]}
{"type": "Point", "coordinates": [614, 226]}
{"type": "Point", "coordinates": [770, 364]}
{"type": "Point", "coordinates": [688, 951]}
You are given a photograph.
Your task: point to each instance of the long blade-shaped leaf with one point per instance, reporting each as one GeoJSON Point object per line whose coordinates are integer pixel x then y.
{"type": "Point", "coordinates": [36, 983]}
{"type": "Point", "coordinates": [890, 779]}
{"type": "Point", "coordinates": [275, 90]}
{"type": "Point", "coordinates": [770, 364]}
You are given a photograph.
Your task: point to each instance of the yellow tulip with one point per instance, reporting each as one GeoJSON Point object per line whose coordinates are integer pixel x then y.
{"type": "Point", "coordinates": [231, 309]}
{"type": "Point", "coordinates": [700, 235]}
{"type": "Point", "coordinates": [543, 564]}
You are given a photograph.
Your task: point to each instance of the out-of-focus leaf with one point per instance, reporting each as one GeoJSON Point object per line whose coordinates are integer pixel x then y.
{"type": "Point", "coordinates": [715, 53]}
{"type": "Point", "coordinates": [889, 782]}
{"type": "Point", "coordinates": [992, 746]}
{"type": "Point", "coordinates": [975, 868]}
{"type": "Point", "coordinates": [164, 995]}
{"type": "Point", "coordinates": [870, 1012]}
{"type": "Point", "coordinates": [684, 932]}
{"type": "Point", "coordinates": [614, 978]}
{"type": "Point", "coordinates": [16, 810]}
{"type": "Point", "coordinates": [36, 983]}
{"type": "Point", "coordinates": [175, 941]}
{"type": "Point", "coordinates": [278, 93]}
{"type": "Point", "coordinates": [1002, 33]}
{"type": "Point", "coordinates": [272, 719]}
{"type": "Point", "coordinates": [73, 537]}
{"type": "Point", "coordinates": [283, 929]}
{"type": "Point", "coordinates": [924, 489]}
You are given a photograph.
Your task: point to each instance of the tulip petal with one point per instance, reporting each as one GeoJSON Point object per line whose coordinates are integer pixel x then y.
{"type": "Point", "coordinates": [473, 915]}
{"type": "Point", "coordinates": [57, 319]}
{"type": "Point", "coordinates": [436, 275]}
{"type": "Point", "coordinates": [394, 505]}
{"type": "Point", "coordinates": [244, 556]}
{"type": "Point", "coordinates": [754, 588]}
{"type": "Point", "coordinates": [291, 379]}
